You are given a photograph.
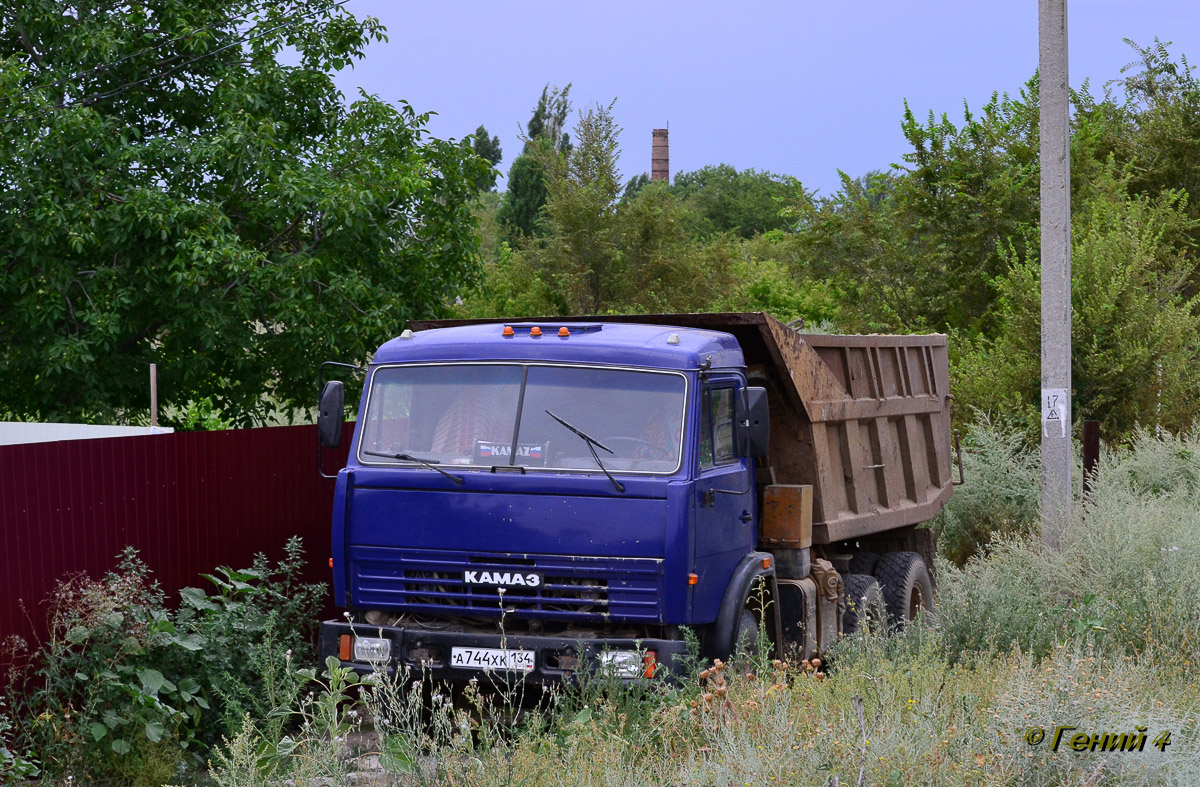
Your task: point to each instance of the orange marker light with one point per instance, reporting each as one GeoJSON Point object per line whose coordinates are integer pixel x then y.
{"type": "Point", "coordinates": [331, 562]}
{"type": "Point", "coordinates": [535, 331]}
{"type": "Point", "coordinates": [649, 664]}
{"type": "Point", "coordinates": [563, 331]}
{"type": "Point", "coordinates": [693, 579]}
{"type": "Point", "coordinates": [344, 643]}
{"type": "Point", "coordinates": [766, 562]}
{"type": "Point", "coordinates": [508, 331]}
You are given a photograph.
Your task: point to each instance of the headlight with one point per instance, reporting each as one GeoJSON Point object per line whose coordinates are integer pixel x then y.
{"type": "Point", "coordinates": [374, 650]}
{"type": "Point", "coordinates": [629, 663]}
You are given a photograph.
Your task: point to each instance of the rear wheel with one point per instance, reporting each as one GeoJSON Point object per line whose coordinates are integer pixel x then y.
{"type": "Point", "coordinates": [865, 605]}
{"type": "Point", "coordinates": [907, 588]}
{"type": "Point", "coordinates": [863, 562]}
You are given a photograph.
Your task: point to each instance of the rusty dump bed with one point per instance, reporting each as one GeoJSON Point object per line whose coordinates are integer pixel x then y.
{"type": "Point", "coordinates": [864, 419]}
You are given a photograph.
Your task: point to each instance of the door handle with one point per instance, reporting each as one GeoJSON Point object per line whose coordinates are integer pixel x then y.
{"type": "Point", "coordinates": [746, 517]}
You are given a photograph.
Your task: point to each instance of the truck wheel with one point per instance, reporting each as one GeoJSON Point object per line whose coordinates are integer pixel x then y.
{"type": "Point", "coordinates": [745, 640]}
{"type": "Point", "coordinates": [863, 562]}
{"type": "Point", "coordinates": [906, 586]}
{"type": "Point", "coordinates": [865, 606]}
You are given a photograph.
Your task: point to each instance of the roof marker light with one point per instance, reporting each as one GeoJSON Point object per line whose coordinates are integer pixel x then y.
{"type": "Point", "coordinates": [508, 331]}
{"type": "Point", "coordinates": [535, 331]}
{"type": "Point", "coordinates": [406, 334]}
{"type": "Point", "coordinates": [673, 339]}
{"type": "Point", "coordinates": [563, 331]}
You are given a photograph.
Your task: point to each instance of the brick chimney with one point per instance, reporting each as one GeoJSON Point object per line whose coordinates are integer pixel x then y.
{"type": "Point", "coordinates": [660, 156]}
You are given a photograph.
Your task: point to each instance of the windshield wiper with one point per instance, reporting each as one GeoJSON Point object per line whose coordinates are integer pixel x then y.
{"type": "Point", "coordinates": [418, 460]}
{"type": "Point", "coordinates": [591, 441]}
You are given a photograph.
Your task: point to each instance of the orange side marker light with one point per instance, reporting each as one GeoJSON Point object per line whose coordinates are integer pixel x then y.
{"type": "Point", "coordinates": [344, 643]}
{"type": "Point", "coordinates": [693, 579]}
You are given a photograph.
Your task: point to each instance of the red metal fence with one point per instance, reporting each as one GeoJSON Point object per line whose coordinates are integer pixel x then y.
{"type": "Point", "coordinates": [188, 502]}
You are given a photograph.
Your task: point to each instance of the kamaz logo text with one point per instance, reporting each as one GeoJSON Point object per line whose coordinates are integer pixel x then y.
{"type": "Point", "coordinates": [504, 578]}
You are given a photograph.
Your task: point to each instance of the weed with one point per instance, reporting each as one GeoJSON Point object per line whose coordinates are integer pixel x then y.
{"type": "Point", "coordinates": [13, 766]}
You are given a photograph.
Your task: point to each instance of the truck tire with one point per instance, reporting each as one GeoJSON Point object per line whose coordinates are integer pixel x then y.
{"type": "Point", "coordinates": [906, 586]}
{"type": "Point", "coordinates": [865, 605]}
{"type": "Point", "coordinates": [719, 639]}
{"type": "Point", "coordinates": [745, 641]}
{"type": "Point", "coordinates": [863, 563]}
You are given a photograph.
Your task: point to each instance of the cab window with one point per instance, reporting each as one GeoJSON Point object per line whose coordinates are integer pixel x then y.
{"type": "Point", "coordinates": [716, 427]}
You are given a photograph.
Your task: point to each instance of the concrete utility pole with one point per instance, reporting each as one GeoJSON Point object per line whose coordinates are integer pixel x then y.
{"type": "Point", "coordinates": [1056, 269]}
{"type": "Point", "coordinates": [154, 394]}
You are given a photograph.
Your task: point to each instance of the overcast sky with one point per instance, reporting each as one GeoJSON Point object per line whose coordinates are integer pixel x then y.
{"type": "Point", "coordinates": [799, 88]}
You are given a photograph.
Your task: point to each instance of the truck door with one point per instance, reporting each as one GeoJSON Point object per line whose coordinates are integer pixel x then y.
{"type": "Point", "coordinates": [724, 523]}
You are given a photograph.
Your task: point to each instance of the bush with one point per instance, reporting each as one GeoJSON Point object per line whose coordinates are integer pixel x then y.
{"type": "Point", "coordinates": [1125, 577]}
{"type": "Point", "coordinates": [127, 690]}
{"type": "Point", "coordinates": [999, 499]}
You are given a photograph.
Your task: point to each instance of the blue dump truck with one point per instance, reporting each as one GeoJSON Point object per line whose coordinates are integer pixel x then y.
{"type": "Point", "coordinates": [543, 496]}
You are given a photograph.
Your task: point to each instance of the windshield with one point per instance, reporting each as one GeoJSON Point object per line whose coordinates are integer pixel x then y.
{"type": "Point", "coordinates": [477, 414]}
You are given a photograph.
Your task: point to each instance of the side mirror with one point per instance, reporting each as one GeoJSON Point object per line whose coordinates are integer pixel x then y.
{"type": "Point", "coordinates": [754, 422]}
{"type": "Point", "coordinates": [331, 414]}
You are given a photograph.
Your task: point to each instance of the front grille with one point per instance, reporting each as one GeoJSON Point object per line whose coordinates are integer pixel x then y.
{"type": "Point", "coordinates": [573, 587]}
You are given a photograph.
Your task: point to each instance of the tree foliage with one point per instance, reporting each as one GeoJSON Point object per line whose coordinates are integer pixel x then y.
{"type": "Point", "coordinates": [521, 209]}
{"type": "Point", "coordinates": [744, 203]}
{"type": "Point", "coordinates": [524, 197]}
{"type": "Point", "coordinates": [174, 193]}
{"type": "Point", "coordinates": [1134, 327]}
{"type": "Point", "coordinates": [549, 120]}
{"type": "Point", "coordinates": [919, 246]}
{"type": "Point", "coordinates": [605, 250]}
{"type": "Point", "coordinates": [488, 149]}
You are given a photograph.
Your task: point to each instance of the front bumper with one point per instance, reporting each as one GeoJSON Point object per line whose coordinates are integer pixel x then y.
{"type": "Point", "coordinates": [555, 659]}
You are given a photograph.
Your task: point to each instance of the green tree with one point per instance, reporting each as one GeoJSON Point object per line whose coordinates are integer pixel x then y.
{"type": "Point", "coordinates": [520, 210]}
{"type": "Point", "coordinates": [635, 185]}
{"type": "Point", "coordinates": [526, 191]}
{"type": "Point", "coordinates": [488, 149]}
{"type": "Point", "coordinates": [582, 191]}
{"type": "Point", "coordinates": [742, 202]}
{"type": "Point", "coordinates": [549, 118]}
{"type": "Point", "coordinates": [1153, 133]}
{"type": "Point", "coordinates": [601, 253]}
{"type": "Point", "coordinates": [174, 193]}
{"type": "Point", "coordinates": [1134, 359]}
{"type": "Point", "coordinates": [919, 247]}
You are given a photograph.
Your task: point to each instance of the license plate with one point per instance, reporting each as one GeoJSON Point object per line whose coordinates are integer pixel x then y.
{"type": "Point", "coordinates": [491, 658]}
